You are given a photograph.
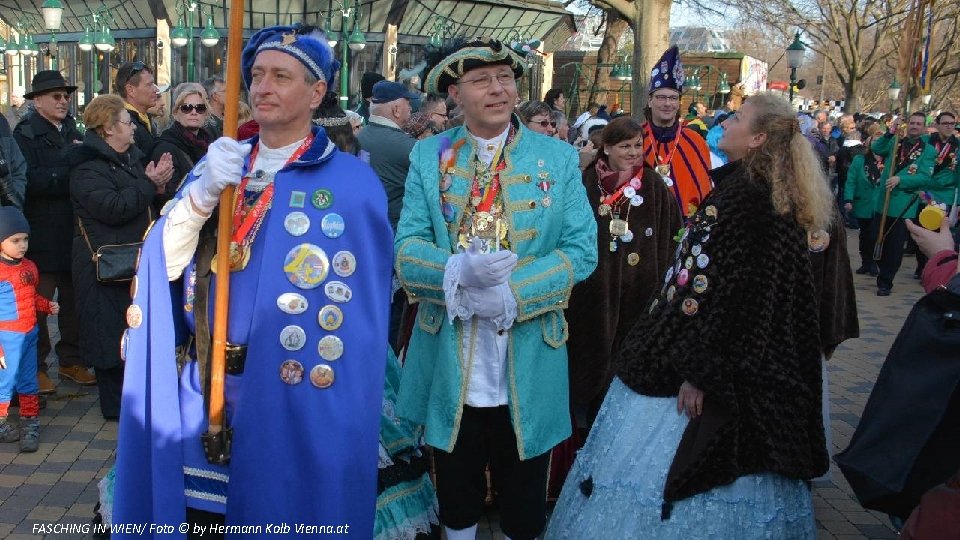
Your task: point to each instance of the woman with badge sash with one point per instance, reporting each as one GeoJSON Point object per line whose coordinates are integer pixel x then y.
{"type": "Point", "coordinates": [637, 218]}
{"type": "Point", "coordinates": [712, 428]}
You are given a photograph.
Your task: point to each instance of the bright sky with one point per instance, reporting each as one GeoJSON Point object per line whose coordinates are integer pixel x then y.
{"type": "Point", "coordinates": [682, 14]}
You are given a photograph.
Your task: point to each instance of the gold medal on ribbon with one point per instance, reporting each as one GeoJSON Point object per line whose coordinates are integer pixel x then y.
{"type": "Point", "coordinates": [239, 258]}
{"type": "Point", "coordinates": [663, 169]}
{"type": "Point", "coordinates": [618, 227]}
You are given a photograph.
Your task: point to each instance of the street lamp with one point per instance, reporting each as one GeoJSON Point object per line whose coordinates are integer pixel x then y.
{"type": "Point", "coordinates": [354, 41]}
{"type": "Point", "coordinates": [893, 92]}
{"type": "Point", "coordinates": [926, 101]}
{"type": "Point", "coordinates": [25, 48]}
{"type": "Point", "coordinates": [795, 54]}
{"type": "Point", "coordinates": [723, 87]}
{"type": "Point", "coordinates": [183, 35]}
{"type": "Point", "coordinates": [96, 38]}
{"type": "Point", "coordinates": [52, 14]}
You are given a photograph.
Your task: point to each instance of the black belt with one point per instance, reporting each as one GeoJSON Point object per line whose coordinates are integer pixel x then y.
{"type": "Point", "coordinates": [236, 359]}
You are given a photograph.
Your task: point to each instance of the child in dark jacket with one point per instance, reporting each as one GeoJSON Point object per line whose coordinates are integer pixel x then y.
{"type": "Point", "coordinates": [19, 304]}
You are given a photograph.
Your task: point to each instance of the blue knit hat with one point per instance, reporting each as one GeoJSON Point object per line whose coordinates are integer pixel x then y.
{"type": "Point", "coordinates": [12, 222]}
{"type": "Point", "coordinates": [667, 72]}
{"type": "Point", "coordinates": [305, 43]}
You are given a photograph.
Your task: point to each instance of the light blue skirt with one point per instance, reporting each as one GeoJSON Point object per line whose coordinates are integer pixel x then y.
{"type": "Point", "coordinates": [628, 454]}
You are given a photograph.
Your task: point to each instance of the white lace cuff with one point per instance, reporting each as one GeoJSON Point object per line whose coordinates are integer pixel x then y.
{"type": "Point", "coordinates": [505, 321]}
{"type": "Point", "coordinates": [453, 295]}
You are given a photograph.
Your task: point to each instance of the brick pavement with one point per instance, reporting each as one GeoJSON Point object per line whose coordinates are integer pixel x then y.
{"type": "Point", "coordinates": [58, 484]}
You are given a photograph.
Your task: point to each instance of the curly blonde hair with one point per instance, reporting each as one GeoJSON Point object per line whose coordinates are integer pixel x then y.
{"type": "Point", "coordinates": [787, 160]}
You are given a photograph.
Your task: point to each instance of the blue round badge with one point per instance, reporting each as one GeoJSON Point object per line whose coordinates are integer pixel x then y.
{"type": "Point", "coordinates": [448, 212]}
{"type": "Point", "coordinates": [306, 266]}
{"type": "Point", "coordinates": [332, 225]}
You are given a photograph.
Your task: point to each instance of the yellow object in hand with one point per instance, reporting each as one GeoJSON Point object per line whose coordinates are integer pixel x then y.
{"type": "Point", "coordinates": [931, 217]}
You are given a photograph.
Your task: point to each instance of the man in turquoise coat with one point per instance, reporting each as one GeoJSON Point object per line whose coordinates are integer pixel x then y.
{"type": "Point", "coordinates": [495, 231]}
{"type": "Point", "coordinates": [912, 171]}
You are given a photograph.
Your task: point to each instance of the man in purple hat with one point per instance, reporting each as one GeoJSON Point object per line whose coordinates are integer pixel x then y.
{"type": "Point", "coordinates": [679, 154]}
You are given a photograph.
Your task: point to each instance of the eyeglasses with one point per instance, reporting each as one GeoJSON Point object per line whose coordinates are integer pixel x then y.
{"type": "Point", "coordinates": [545, 123]}
{"type": "Point", "coordinates": [187, 108]}
{"type": "Point", "coordinates": [947, 123]}
{"type": "Point", "coordinates": [506, 80]}
{"type": "Point", "coordinates": [59, 96]}
{"type": "Point", "coordinates": [441, 115]}
{"type": "Point", "coordinates": [666, 98]}
{"type": "Point", "coordinates": [125, 122]}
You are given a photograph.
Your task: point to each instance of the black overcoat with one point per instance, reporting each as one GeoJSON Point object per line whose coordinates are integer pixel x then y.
{"type": "Point", "coordinates": [47, 206]}
{"type": "Point", "coordinates": [112, 197]}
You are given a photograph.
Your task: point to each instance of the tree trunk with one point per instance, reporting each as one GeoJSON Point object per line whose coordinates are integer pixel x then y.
{"type": "Point", "coordinates": [616, 26]}
{"type": "Point", "coordinates": [652, 37]}
{"type": "Point", "coordinates": [851, 98]}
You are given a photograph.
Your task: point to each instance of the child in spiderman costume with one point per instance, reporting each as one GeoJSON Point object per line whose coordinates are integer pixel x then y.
{"type": "Point", "coordinates": [19, 304]}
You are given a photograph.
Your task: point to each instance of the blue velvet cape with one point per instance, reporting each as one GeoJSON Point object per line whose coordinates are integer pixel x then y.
{"type": "Point", "coordinates": [301, 455]}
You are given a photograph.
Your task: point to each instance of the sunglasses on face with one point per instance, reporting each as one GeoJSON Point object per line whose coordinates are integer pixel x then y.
{"type": "Point", "coordinates": [187, 108]}
{"type": "Point", "coordinates": [545, 123]}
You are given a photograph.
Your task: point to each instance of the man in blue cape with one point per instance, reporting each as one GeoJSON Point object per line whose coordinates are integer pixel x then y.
{"type": "Point", "coordinates": [310, 293]}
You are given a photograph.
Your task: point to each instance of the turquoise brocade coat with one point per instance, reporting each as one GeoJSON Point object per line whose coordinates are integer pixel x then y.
{"type": "Point", "coordinates": [557, 247]}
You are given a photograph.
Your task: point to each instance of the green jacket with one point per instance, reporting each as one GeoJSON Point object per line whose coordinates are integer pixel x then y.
{"type": "Point", "coordinates": [945, 171]}
{"type": "Point", "coordinates": [557, 247]}
{"type": "Point", "coordinates": [915, 176]}
{"type": "Point", "coordinates": [859, 190]}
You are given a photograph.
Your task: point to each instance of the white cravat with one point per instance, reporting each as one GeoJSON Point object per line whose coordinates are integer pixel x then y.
{"type": "Point", "coordinates": [485, 340]}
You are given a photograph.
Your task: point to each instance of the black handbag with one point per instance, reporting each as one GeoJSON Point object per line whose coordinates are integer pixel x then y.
{"type": "Point", "coordinates": [115, 263]}
{"type": "Point", "coordinates": [907, 440]}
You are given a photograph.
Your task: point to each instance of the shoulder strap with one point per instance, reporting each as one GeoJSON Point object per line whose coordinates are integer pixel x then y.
{"type": "Point", "coordinates": [86, 239]}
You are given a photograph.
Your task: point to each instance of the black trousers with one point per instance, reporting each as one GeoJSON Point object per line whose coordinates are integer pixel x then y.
{"type": "Point", "coordinates": [867, 240]}
{"type": "Point", "coordinates": [110, 386]}
{"type": "Point", "coordinates": [892, 255]}
{"type": "Point", "coordinates": [68, 350]}
{"type": "Point", "coordinates": [486, 437]}
{"type": "Point", "coordinates": [397, 307]}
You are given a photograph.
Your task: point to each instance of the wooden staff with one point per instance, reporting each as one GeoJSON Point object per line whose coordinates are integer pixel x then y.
{"type": "Point", "coordinates": [216, 440]}
{"type": "Point", "coordinates": [891, 163]}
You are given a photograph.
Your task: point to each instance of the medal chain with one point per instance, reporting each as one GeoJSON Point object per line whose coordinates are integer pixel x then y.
{"type": "Point", "coordinates": [247, 220]}
{"type": "Point", "coordinates": [671, 148]}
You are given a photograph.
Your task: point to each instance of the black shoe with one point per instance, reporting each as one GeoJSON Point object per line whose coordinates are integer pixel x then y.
{"type": "Point", "coordinates": [883, 292]}
{"type": "Point", "coordinates": [863, 270]}
{"type": "Point", "coordinates": [916, 275]}
{"type": "Point", "coordinates": [874, 272]}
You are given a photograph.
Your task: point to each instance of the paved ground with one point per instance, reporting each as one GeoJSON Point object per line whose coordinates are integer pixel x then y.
{"type": "Point", "coordinates": [58, 484]}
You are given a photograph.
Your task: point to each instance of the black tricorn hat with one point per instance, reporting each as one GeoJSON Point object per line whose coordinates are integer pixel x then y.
{"type": "Point", "coordinates": [478, 52]}
{"type": "Point", "coordinates": [47, 80]}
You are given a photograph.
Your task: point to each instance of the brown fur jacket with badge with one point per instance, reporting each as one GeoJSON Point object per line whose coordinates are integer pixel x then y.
{"type": "Point", "coordinates": [737, 317]}
{"type": "Point", "coordinates": [605, 306]}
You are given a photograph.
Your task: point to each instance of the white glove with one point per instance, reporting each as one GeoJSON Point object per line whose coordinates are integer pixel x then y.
{"type": "Point", "coordinates": [485, 303]}
{"type": "Point", "coordinates": [225, 159]}
{"type": "Point", "coordinates": [486, 270]}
